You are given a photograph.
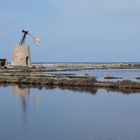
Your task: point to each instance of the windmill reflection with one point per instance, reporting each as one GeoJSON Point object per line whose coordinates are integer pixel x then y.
{"type": "Point", "coordinates": [22, 93]}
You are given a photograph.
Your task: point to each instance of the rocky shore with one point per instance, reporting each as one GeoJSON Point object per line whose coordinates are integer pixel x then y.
{"type": "Point", "coordinates": [38, 76]}
{"type": "Point", "coordinates": [90, 66]}
{"type": "Point", "coordinates": [61, 80]}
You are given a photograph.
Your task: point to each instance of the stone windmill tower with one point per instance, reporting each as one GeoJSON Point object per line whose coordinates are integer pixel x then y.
{"type": "Point", "coordinates": [21, 53]}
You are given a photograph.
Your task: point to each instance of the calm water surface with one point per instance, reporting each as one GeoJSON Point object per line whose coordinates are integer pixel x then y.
{"type": "Point", "coordinates": [56, 114]}
{"type": "Point", "coordinates": [125, 74]}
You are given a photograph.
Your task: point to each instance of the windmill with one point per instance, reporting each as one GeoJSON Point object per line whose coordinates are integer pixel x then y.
{"type": "Point", "coordinates": [36, 40]}
{"type": "Point", "coordinates": [21, 52]}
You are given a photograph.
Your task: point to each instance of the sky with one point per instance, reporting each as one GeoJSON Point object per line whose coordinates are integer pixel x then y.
{"type": "Point", "coordinates": [73, 30]}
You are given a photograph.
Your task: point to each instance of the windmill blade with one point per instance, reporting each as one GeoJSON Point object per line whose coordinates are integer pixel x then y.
{"type": "Point", "coordinates": [36, 40]}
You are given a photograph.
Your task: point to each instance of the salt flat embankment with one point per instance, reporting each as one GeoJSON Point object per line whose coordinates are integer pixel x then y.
{"type": "Point", "coordinates": [90, 66]}
{"type": "Point", "coordinates": [37, 76]}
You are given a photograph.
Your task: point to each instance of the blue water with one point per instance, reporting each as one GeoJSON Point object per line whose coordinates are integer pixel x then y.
{"type": "Point", "coordinates": [56, 114]}
{"type": "Point", "coordinates": [122, 74]}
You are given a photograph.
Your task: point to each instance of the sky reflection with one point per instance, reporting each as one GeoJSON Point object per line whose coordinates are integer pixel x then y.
{"type": "Point", "coordinates": [31, 113]}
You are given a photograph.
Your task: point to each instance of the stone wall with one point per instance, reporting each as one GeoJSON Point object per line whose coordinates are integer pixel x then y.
{"type": "Point", "coordinates": [21, 56]}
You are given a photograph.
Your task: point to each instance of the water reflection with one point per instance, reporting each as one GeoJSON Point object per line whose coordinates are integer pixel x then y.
{"type": "Point", "coordinates": [36, 102]}
{"type": "Point", "coordinates": [93, 91]}
{"type": "Point", "coordinates": [23, 93]}
{"type": "Point", "coordinates": [64, 114]}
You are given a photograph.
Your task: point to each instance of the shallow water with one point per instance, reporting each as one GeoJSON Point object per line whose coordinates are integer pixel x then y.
{"type": "Point", "coordinates": [56, 114]}
{"type": "Point", "coordinates": [125, 74]}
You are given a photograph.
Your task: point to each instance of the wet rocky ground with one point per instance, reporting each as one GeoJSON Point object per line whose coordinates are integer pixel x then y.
{"type": "Point", "coordinates": [41, 76]}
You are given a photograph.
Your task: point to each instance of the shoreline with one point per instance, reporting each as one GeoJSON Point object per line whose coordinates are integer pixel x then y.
{"type": "Point", "coordinates": [86, 65]}
{"type": "Point", "coordinates": [76, 66]}
{"type": "Point", "coordinates": [83, 83]}
{"type": "Point", "coordinates": [37, 75]}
